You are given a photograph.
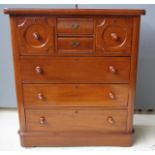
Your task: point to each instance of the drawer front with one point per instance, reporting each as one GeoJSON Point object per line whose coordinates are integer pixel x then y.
{"type": "Point", "coordinates": [39, 95]}
{"type": "Point", "coordinates": [76, 120]}
{"type": "Point", "coordinates": [114, 35]}
{"type": "Point", "coordinates": [75, 45]}
{"type": "Point", "coordinates": [35, 35]}
{"type": "Point", "coordinates": [75, 70]}
{"type": "Point", "coordinates": [75, 26]}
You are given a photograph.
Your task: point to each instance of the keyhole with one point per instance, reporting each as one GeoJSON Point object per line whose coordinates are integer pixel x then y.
{"type": "Point", "coordinates": [76, 111]}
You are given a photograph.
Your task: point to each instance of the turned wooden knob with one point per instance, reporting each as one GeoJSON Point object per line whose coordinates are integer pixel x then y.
{"type": "Point", "coordinates": [114, 36]}
{"type": "Point", "coordinates": [112, 69]}
{"type": "Point", "coordinates": [110, 120]}
{"type": "Point", "coordinates": [40, 96]}
{"type": "Point", "coordinates": [75, 26]}
{"type": "Point", "coordinates": [36, 35]}
{"type": "Point", "coordinates": [42, 120]}
{"type": "Point", "coordinates": [111, 96]}
{"type": "Point", "coordinates": [38, 70]}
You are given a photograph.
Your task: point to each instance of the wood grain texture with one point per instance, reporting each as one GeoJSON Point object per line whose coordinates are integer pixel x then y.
{"type": "Point", "coordinates": [76, 120]}
{"type": "Point", "coordinates": [133, 75]}
{"type": "Point", "coordinates": [113, 35]}
{"type": "Point", "coordinates": [76, 45]}
{"type": "Point", "coordinates": [75, 72]}
{"type": "Point", "coordinates": [75, 26]}
{"type": "Point", "coordinates": [46, 95]}
{"type": "Point", "coordinates": [61, 12]}
{"type": "Point", "coordinates": [33, 139]}
{"type": "Point", "coordinates": [18, 83]}
{"type": "Point", "coordinates": [35, 35]}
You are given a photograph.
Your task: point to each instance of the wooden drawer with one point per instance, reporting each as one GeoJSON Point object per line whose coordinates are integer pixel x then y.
{"type": "Point", "coordinates": [35, 35]}
{"type": "Point", "coordinates": [75, 70]}
{"type": "Point", "coordinates": [76, 120]}
{"type": "Point", "coordinates": [75, 26]}
{"type": "Point", "coordinates": [75, 45]}
{"type": "Point", "coordinates": [114, 35]}
{"type": "Point", "coordinates": [39, 95]}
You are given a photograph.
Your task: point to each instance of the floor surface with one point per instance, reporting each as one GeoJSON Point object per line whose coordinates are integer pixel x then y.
{"type": "Point", "coordinates": [144, 138]}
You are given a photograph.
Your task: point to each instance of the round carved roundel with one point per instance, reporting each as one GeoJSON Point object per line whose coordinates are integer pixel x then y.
{"type": "Point", "coordinates": [36, 35]}
{"type": "Point", "coordinates": [114, 36]}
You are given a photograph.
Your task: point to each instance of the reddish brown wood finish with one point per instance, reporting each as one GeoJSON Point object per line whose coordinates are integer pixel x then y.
{"type": "Point", "coordinates": [29, 139]}
{"type": "Point", "coordinates": [75, 26]}
{"type": "Point", "coordinates": [61, 12]}
{"type": "Point", "coordinates": [76, 120]}
{"type": "Point", "coordinates": [46, 95]}
{"type": "Point", "coordinates": [19, 93]}
{"type": "Point", "coordinates": [75, 73]}
{"type": "Point", "coordinates": [35, 35]}
{"type": "Point", "coordinates": [114, 35]}
{"type": "Point", "coordinates": [133, 73]}
{"type": "Point", "coordinates": [75, 45]}
{"type": "Point", "coordinates": [75, 70]}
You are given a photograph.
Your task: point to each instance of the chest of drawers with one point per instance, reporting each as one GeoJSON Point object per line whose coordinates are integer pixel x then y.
{"type": "Point", "coordinates": [75, 72]}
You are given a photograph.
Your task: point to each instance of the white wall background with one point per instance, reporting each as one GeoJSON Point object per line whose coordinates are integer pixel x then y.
{"type": "Point", "coordinates": [146, 67]}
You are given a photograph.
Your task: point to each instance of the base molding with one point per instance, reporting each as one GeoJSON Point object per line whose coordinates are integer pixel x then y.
{"type": "Point", "coordinates": [41, 139]}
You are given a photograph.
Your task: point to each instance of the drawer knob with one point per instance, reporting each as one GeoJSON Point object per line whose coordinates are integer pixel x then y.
{"type": "Point", "coordinates": [40, 96]}
{"type": "Point", "coordinates": [110, 120]}
{"type": "Point", "coordinates": [112, 69]}
{"type": "Point", "coordinates": [75, 26]}
{"type": "Point", "coordinates": [36, 35]}
{"type": "Point", "coordinates": [39, 70]}
{"type": "Point", "coordinates": [114, 36]}
{"type": "Point", "coordinates": [42, 120]}
{"type": "Point", "coordinates": [112, 96]}
{"type": "Point", "coordinates": [75, 43]}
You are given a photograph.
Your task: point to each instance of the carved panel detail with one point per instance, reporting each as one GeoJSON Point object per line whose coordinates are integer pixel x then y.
{"type": "Point", "coordinates": [35, 35]}
{"type": "Point", "coordinates": [113, 35]}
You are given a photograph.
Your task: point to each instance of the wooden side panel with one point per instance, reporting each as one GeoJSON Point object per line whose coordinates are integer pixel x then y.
{"type": "Point", "coordinates": [133, 72]}
{"type": "Point", "coordinates": [17, 69]}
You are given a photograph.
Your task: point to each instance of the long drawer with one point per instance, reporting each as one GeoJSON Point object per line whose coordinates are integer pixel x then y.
{"type": "Point", "coordinates": [76, 120]}
{"type": "Point", "coordinates": [46, 95]}
{"type": "Point", "coordinates": [75, 70]}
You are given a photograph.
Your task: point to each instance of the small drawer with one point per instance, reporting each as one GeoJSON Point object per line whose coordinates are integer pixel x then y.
{"type": "Point", "coordinates": [76, 120]}
{"type": "Point", "coordinates": [75, 26]}
{"type": "Point", "coordinates": [75, 70]}
{"type": "Point", "coordinates": [75, 45]}
{"type": "Point", "coordinates": [45, 95]}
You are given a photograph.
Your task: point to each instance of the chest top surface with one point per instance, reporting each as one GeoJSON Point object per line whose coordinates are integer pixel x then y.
{"type": "Point", "coordinates": [12, 11]}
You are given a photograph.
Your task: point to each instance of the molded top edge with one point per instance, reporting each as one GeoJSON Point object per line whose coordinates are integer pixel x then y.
{"type": "Point", "coordinates": [24, 11]}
